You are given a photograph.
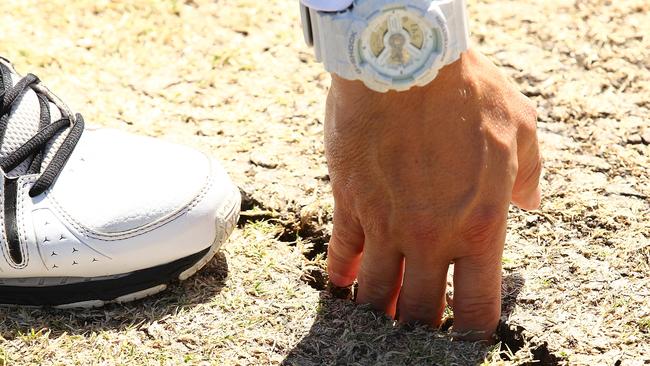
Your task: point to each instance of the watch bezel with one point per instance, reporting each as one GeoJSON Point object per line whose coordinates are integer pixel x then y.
{"type": "Point", "coordinates": [435, 43]}
{"type": "Point", "coordinates": [432, 16]}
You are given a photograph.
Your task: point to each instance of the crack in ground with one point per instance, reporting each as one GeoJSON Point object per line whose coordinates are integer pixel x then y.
{"type": "Point", "coordinates": [513, 340]}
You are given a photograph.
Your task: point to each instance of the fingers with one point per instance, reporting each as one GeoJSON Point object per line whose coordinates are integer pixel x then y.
{"type": "Point", "coordinates": [477, 298]}
{"type": "Point", "coordinates": [477, 279]}
{"type": "Point", "coordinates": [422, 298]}
{"type": "Point", "coordinates": [344, 250]}
{"type": "Point", "coordinates": [526, 193]}
{"type": "Point", "coordinates": [380, 275]}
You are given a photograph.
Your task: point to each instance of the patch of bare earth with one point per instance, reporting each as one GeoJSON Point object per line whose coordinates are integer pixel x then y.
{"type": "Point", "coordinates": [233, 78]}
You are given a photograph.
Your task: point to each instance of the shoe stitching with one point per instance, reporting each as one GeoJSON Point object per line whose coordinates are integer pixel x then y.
{"type": "Point", "coordinates": [5, 248]}
{"type": "Point", "coordinates": [19, 220]}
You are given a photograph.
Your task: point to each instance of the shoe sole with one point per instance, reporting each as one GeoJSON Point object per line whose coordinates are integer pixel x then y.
{"type": "Point", "coordinates": [93, 293]}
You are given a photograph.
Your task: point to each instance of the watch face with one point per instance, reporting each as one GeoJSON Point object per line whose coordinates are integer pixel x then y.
{"type": "Point", "coordinates": [398, 42]}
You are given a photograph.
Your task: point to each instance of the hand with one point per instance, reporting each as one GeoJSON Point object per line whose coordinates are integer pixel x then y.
{"type": "Point", "coordinates": [424, 178]}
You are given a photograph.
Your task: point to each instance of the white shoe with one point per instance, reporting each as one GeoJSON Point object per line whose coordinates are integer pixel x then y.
{"type": "Point", "coordinates": [96, 216]}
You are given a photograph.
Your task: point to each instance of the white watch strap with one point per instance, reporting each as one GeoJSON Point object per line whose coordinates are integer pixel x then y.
{"type": "Point", "coordinates": [327, 5]}
{"type": "Point", "coordinates": [328, 32]}
{"type": "Point", "coordinates": [458, 22]}
{"type": "Point", "coordinates": [321, 32]}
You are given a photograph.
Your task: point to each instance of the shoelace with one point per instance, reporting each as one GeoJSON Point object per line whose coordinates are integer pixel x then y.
{"type": "Point", "coordinates": [35, 146]}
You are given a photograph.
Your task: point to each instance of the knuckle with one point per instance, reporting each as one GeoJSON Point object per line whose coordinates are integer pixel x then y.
{"type": "Point", "coordinates": [483, 227]}
{"type": "Point", "coordinates": [376, 289]}
{"type": "Point", "coordinates": [478, 309]}
{"type": "Point", "coordinates": [420, 228]}
{"type": "Point", "coordinates": [345, 233]}
{"type": "Point", "coordinates": [340, 251]}
{"type": "Point", "coordinates": [339, 190]}
{"type": "Point", "coordinates": [530, 109]}
{"type": "Point", "coordinates": [373, 285]}
{"type": "Point", "coordinates": [421, 231]}
{"type": "Point", "coordinates": [529, 119]}
{"type": "Point", "coordinates": [377, 224]}
{"type": "Point", "coordinates": [502, 147]}
{"type": "Point", "coordinates": [503, 151]}
{"type": "Point", "coordinates": [343, 188]}
{"type": "Point", "coordinates": [471, 83]}
{"type": "Point", "coordinates": [413, 227]}
{"type": "Point", "coordinates": [334, 255]}
{"type": "Point", "coordinates": [529, 128]}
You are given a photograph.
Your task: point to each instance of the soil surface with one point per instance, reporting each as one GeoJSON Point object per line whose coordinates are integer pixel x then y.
{"type": "Point", "coordinates": [234, 79]}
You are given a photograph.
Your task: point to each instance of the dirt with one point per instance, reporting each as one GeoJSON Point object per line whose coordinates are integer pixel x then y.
{"type": "Point", "coordinates": [234, 79]}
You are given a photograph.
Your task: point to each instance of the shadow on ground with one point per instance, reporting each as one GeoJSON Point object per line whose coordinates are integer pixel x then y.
{"type": "Point", "coordinates": [347, 334]}
{"type": "Point", "coordinates": [199, 289]}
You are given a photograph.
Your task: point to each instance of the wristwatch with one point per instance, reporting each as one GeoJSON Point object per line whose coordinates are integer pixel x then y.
{"type": "Point", "coordinates": [387, 44]}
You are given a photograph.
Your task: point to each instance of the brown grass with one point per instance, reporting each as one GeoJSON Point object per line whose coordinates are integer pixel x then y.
{"type": "Point", "coordinates": [234, 78]}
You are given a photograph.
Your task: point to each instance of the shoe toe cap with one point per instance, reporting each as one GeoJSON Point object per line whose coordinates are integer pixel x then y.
{"type": "Point", "coordinates": [116, 182]}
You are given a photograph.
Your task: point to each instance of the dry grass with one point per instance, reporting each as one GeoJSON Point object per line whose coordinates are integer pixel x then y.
{"type": "Point", "coordinates": [234, 78]}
